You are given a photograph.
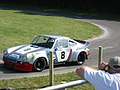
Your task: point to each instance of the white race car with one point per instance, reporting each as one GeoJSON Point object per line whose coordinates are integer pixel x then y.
{"type": "Point", "coordinates": [36, 55]}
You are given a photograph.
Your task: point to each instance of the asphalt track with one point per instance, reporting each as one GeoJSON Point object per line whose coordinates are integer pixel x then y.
{"type": "Point", "coordinates": [110, 40]}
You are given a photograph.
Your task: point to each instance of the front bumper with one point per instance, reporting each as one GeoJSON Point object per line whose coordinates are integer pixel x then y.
{"type": "Point", "coordinates": [17, 66]}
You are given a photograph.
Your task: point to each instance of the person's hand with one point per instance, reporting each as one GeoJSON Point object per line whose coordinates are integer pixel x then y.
{"type": "Point", "coordinates": [102, 65]}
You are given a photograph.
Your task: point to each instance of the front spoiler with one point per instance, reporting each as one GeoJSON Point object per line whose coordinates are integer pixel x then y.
{"type": "Point", "coordinates": [16, 66]}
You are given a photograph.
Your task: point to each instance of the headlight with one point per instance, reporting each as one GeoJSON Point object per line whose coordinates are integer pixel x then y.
{"type": "Point", "coordinates": [5, 52]}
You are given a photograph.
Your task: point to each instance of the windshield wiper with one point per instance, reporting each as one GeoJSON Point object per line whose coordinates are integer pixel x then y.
{"type": "Point", "coordinates": [34, 45]}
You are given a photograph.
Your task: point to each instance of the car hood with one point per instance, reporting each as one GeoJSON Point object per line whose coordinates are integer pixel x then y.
{"type": "Point", "coordinates": [26, 49]}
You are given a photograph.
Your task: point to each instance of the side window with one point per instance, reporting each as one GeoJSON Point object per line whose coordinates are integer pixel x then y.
{"type": "Point", "coordinates": [72, 43]}
{"type": "Point", "coordinates": [62, 43]}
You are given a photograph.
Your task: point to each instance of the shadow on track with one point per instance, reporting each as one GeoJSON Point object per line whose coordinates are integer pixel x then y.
{"type": "Point", "coordinates": [6, 70]}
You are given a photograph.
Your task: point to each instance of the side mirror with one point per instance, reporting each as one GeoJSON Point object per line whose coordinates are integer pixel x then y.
{"type": "Point", "coordinates": [56, 49]}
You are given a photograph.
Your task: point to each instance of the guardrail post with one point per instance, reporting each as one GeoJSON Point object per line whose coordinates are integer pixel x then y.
{"type": "Point", "coordinates": [51, 70]}
{"type": "Point", "coordinates": [100, 55]}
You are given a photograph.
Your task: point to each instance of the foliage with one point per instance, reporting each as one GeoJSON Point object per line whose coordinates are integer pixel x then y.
{"type": "Point", "coordinates": [85, 5]}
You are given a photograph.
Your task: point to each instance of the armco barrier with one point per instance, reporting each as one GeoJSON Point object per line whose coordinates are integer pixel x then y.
{"type": "Point", "coordinates": [65, 85]}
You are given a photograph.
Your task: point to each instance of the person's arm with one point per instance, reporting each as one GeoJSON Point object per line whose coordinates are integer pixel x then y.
{"type": "Point", "coordinates": [80, 70]}
{"type": "Point", "coordinates": [102, 65]}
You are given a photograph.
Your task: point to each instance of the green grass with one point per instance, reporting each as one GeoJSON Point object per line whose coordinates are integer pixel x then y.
{"type": "Point", "coordinates": [20, 27]}
{"type": "Point", "coordinates": [43, 81]}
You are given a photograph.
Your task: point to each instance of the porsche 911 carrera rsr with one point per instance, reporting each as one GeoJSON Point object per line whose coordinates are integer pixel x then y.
{"type": "Point", "coordinates": [35, 56]}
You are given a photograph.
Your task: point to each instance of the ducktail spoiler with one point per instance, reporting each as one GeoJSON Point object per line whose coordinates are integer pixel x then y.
{"type": "Point", "coordinates": [86, 44]}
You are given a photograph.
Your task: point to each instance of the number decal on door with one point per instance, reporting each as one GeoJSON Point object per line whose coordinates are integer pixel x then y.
{"type": "Point", "coordinates": [62, 55]}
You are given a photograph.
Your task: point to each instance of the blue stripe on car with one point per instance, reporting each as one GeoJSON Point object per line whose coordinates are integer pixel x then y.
{"type": "Point", "coordinates": [35, 50]}
{"type": "Point", "coordinates": [11, 58]}
{"type": "Point", "coordinates": [20, 48]}
{"type": "Point", "coordinates": [56, 59]}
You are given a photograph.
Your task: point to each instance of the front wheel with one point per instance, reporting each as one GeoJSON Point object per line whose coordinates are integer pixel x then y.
{"type": "Point", "coordinates": [39, 64]}
{"type": "Point", "coordinates": [81, 58]}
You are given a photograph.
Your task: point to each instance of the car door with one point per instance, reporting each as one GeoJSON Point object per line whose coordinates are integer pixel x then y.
{"type": "Point", "coordinates": [62, 50]}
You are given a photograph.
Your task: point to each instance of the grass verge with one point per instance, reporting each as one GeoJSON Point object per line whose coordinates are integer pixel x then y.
{"type": "Point", "coordinates": [20, 27]}
{"type": "Point", "coordinates": [43, 81]}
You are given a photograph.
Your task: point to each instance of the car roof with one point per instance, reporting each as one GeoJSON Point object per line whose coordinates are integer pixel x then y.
{"type": "Point", "coordinates": [54, 36]}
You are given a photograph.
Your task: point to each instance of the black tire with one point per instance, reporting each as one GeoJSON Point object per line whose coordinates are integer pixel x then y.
{"type": "Point", "coordinates": [81, 58]}
{"type": "Point", "coordinates": [39, 64]}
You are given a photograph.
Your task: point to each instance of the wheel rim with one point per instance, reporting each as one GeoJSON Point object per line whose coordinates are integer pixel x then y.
{"type": "Point", "coordinates": [81, 58]}
{"type": "Point", "coordinates": [39, 64]}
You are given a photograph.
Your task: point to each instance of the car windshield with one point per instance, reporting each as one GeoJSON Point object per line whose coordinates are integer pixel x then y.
{"type": "Point", "coordinates": [43, 41]}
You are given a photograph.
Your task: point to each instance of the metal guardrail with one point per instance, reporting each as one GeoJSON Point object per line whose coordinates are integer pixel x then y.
{"type": "Point", "coordinates": [65, 85]}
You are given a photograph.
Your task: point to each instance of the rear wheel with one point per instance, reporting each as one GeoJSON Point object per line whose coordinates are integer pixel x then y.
{"type": "Point", "coordinates": [39, 64]}
{"type": "Point", "coordinates": [81, 58]}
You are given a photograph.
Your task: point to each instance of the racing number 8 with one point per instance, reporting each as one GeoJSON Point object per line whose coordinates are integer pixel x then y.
{"type": "Point", "coordinates": [62, 55]}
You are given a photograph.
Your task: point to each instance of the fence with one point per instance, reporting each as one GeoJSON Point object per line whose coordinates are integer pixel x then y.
{"type": "Point", "coordinates": [65, 85]}
{"type": "Point", "coordinates": [73, 83]}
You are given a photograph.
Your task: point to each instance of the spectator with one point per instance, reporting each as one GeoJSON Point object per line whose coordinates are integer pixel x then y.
{"type": "Point", "coordinates": [106, 78]}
